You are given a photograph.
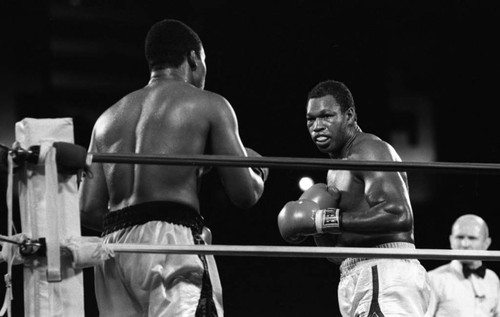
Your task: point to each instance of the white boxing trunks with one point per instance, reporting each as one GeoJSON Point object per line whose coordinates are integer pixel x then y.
{"type": "Point", "coordinates": [154, 285]}
{"type": "Point", "coordinates": [383, 287]}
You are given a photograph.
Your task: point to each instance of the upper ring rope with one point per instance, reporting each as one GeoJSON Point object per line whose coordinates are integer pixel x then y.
{"type": "Point", "coordinates": [290, 162]}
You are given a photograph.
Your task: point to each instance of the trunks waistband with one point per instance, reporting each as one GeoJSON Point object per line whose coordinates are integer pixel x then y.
{"type": "Point", "coordinates": [350, 263]}
{"type": "Point", "coordinates": [168, 211]}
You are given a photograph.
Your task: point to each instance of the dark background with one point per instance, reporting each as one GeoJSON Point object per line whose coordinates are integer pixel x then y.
{"type": "Point", "coordinates": [424, 75]}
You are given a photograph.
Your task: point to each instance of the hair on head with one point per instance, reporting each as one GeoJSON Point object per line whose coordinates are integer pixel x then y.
{"type": "Point", "coordinates": [336, 89]}
{"type": "Point", "coordinates": [168, 42]}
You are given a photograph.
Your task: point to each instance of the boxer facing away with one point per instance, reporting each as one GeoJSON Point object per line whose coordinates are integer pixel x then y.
{"type": "Point", "coordinates": [159, 204]}
{"type": "Point", "coordinates": [358, 209]}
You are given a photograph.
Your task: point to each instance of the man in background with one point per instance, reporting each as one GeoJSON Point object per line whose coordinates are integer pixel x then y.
{"type": "Point", "coordinates": [465, 288]}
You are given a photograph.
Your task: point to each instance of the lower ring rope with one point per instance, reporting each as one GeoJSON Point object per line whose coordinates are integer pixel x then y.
{"type": "Point", "coordinates": [311, 252]}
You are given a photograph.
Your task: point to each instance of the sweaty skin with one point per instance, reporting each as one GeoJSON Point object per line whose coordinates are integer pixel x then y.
{"type": "Point", "coordinates": [375, 205]}
{"type": "Point", "coordinates": [168, 116]}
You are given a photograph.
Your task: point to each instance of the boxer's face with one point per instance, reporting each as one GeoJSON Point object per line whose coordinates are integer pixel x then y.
{"type": "Point", "coordinates": [327, 124]}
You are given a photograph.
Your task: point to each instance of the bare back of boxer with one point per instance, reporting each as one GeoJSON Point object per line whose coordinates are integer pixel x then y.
{"type": "Point", "coordinates": [172, 115]}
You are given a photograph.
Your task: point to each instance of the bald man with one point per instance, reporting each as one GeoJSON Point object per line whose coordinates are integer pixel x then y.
{"type": "Point", "coordinates": [465, 287]}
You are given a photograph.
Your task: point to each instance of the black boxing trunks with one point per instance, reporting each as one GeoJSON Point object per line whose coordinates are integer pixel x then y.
{"type": "Point", "coordinates": [168, 211]}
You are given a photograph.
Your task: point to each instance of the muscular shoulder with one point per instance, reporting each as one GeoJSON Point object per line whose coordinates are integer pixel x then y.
{"type": "Point", "coordinates": [214, 103]}
{"type": "Point", "coordinates": [370, 147]}
{"type": "Point", "coordinates": [111, 114]}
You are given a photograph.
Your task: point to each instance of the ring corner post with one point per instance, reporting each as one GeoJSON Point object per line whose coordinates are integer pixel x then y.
{"type": "Point", "coordinates": [44, 294]}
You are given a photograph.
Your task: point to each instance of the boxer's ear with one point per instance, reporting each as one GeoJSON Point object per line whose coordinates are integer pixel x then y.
{"type": "Point", "coordinates": [191, 59]}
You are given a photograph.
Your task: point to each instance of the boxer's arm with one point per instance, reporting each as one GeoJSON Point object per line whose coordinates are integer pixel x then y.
{"type": "Point", "coordinates": [386, 193]}
{"type": "Point", "coordinates": [263, 172]}
{"type": "Point", "coordinates": [93, 195]}
{"type": "Point", "coordinates": [243, 186]}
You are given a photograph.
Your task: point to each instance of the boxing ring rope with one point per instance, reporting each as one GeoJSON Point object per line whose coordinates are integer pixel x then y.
{"type": "Point", "coordinates": [309, 251]}
{"type": "Point", "coordinates": [88, 251]}
{"type": "Point", "coordinates": [301, 163]}
{"type": "Point", "coordinates": [288, 162]}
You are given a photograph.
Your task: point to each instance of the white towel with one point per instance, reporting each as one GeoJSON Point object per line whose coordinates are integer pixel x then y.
{"type": "Point", "coordinates": [87, 251]}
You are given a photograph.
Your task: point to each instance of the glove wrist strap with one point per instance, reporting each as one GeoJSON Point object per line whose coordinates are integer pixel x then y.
{"type": "Point", "coordinates": [327, 220]}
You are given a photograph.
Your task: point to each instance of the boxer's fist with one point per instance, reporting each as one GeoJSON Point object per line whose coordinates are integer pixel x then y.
{"type": "Point", "coordinates": [324, 196]}
{"type": "Point", "coordinates": [297, 220]}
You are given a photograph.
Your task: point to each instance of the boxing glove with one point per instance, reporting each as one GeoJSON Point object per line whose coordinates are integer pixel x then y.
{"type": "Point", "coordinates": [324, 196]}
{"type": "Point", "coordinates": [312, 214]}
{"type": "Point", "coordinates": [296, 220]}
{"type": "Point", "coordinates": [301, 218]}
{"type": "Point", "coordinates": [327, 197]}
{"type": "Point", "coordinates": [263, 172]}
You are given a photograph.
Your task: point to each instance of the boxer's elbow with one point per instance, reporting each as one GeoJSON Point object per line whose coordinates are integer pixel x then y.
{"type": "Point", "coordinates": [246, 199]}
{"type": "Point", "coordinates": [245, 194]}
{"type": "Point", "coordinates": [402, 218]}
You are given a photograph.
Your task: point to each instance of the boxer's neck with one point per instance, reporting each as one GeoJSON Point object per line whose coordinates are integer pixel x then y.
{"type": "Point", "coordinates": [168, 74]}
{"type": "Point", "coordinates": [344, 152]}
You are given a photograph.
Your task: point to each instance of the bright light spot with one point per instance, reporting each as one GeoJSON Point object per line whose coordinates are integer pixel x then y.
{"type": "Point", "coordinates": [305, 183]}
